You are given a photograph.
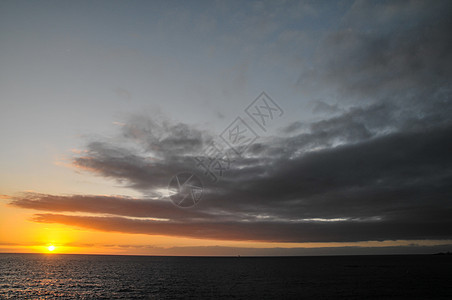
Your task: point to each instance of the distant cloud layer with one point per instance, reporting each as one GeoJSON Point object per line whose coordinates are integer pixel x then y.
{"type": "Point", "coordinates": [378, 166]}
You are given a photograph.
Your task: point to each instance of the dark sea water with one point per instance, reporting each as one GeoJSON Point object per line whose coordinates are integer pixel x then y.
{"type": "Point", "coordinates": [39, 276]}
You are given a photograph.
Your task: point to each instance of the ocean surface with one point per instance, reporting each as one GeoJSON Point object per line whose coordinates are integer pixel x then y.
{"type": "Point", "coordinates": [41, 276]}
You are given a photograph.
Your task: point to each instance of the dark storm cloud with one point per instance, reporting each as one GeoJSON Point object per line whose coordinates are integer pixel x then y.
{"type": "Point", "coordinates": [261, 230]}
{"type": "Point", "coordinates": [112, 205]}
{"type": "Point", "coordinates": [392, 187]}
{"type": "Point", "coordinates": [378, 165]}
{"type": "Point", "coordinates": [161, 150]}
{"type": "Point", "coordinates": [140, 171]}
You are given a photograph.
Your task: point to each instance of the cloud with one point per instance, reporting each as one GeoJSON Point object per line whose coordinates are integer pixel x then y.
{"type": "Point", "coordinates": [105, 205]}
{"type": "Point", "coordinates": [298, 251]}
{"type": "Point", "coordinates": [360, 249]}
{"type": "Point", "coordinates": [395, 52]}
{"type": "Point", "coordinates": [273, 231]}
{"type": "Point", "coordinates": [394, 186]}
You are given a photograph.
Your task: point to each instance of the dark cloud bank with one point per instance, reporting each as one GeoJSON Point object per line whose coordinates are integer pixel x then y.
{"type": "Point", "coordinates": [377, 168]}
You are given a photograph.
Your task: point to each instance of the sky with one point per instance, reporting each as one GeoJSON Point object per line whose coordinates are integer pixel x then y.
{"type": "Point", "coordinates": [226, 127]}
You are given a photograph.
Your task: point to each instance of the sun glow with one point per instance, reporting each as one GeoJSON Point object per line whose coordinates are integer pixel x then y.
{"type": "Point", "coordinates": [51, 248]}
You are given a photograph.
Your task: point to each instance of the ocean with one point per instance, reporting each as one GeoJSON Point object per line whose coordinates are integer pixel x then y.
{"type": "Point", "coordinates": [58, 276]}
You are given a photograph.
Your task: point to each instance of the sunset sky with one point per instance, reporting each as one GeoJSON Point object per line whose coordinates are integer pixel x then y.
{"type": "Point", "coordinates": [102, 103]}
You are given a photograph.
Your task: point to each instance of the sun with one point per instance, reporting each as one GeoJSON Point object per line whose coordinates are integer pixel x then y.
{"type": "Point", "coordinates": [51, 248]}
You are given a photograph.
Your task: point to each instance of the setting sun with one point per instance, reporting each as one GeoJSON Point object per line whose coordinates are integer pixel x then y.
{"type": "Point", "coordinates": [51, 248]}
